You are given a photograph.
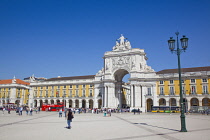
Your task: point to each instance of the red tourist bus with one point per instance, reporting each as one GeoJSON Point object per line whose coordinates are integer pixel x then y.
{"type": "Point", "coordinates": [53, 107]}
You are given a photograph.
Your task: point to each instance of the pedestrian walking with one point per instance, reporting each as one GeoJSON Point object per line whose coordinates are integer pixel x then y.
{"type": "Point", "coordinates": [9, 110]}
{"type": "Point", "coordinates": [31, 110]}
{"type": "Point", "coordinates": [20, 111]}
{"type": "Point", "coordinates": [69, 117]}
{"type": "Point", "coordinates": [3, 110]}
{"type": "Point", "coordinates": [139, 111]}
{"type": "Point", "coordinates": [134, 111]}
{"type": "Point", "coordinates": [27, 110]}
{"type": "Point", "coordinates": [60, 113]}
{"type": "Point", "coordinates": [105, 112]}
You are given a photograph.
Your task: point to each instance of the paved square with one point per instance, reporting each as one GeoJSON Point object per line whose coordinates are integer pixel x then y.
{"type": "Point", "coordinates": [125, 126]}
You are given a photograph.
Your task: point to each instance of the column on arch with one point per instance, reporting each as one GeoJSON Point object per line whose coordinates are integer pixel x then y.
{"type": "Point", "coordinates": [96, 93]}
{"type": "Point", "coordinates": [138, 96]}
{"type": "Point", "coordinates": [154, 94]}
{"type": "Point", "coordinates": [132, 96]}
{"type": "Point", "coordinates": [105, 97]}
{"type": "Point", "coordinates": [111, 102]}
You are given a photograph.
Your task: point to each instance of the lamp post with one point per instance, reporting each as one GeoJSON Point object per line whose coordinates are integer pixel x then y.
{"type": "Point", "coordinates": [184, 44]}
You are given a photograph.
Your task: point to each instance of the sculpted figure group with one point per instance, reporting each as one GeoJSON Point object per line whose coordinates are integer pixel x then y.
{"type": "Point", "coordinates": [122, 45]}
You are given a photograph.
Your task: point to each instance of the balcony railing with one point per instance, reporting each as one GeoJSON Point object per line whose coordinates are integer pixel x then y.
{"type": "Point", "coordinates": [193, 93]}
{"type": "Point", "coordinates": [172, 94]}
{"type": "Point", "coordinates": [161, 94]}
{"type": "Point", "coordinates": [205, 93]}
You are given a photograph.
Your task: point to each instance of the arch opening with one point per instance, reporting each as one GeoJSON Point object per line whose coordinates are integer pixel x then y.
{"type": "Point", "coordinates": [122, 88]}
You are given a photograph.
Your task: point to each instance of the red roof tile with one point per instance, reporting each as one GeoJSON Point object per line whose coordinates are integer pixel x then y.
{"type": "Point", "coordinates": [9, 81]}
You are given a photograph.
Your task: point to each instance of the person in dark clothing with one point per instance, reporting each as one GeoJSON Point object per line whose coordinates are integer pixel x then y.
{"type": "Point", "coordinates": [69, 117]}
{"type": "Point", "coordinates": [138, 110]}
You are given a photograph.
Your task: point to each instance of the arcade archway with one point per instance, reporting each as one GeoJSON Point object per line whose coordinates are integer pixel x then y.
{"type": "Point", "coordinates": [99, 103]}
{"type": "Point", "coordinates": [149, 105]}
{"type": "Point", "coordinates": [194, 102]}
{"type": "Point", "coordinates": [91, 103]}
{"type": "Point", "coordinates": [77, 103]}
{"type": "Point", "coordinates": [120, 88]}
{"type": "Point", "coordinates": [206, 102]}
{"type": "Point", "coordinates": [162, 102]}
{"type": "Point", "coordinates": [172, 102]}
{"type": "Point", "coordinates": [83, 104]}
{"type": "Point", "coordinates": [70, 103]}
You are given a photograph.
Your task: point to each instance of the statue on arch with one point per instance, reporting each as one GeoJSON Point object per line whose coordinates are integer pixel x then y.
{"type": "Point", "coordinates": [122, 40]}
{"type": "Point", "coordinates": [116, 47]}
{"type": "Point", "coordinates": [127, 44]}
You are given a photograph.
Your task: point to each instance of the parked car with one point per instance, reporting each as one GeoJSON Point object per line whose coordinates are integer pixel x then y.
{"type": "Point", "coordinates": [136, 110]}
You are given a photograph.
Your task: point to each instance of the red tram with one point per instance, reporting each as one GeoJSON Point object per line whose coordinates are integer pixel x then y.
{"type": "Point", "coordinates": [52, 107]}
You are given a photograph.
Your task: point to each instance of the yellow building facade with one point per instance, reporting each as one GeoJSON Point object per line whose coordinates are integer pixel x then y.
{"type": "Point", "coordinates": [195, 88]}
{"type": "Point", "coordinates": [80, 91]}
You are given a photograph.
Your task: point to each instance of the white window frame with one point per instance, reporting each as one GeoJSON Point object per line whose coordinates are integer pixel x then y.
{"type": "Point", "coordinates": [192, 81]}
{"type": "Point", "coordinates": [205, 89]}
{"type": "Point", "coordinates": [171, 81]}
{"type": "Point", "coordinates": [193, 90]}
{"type": "Point", "coordinates": [161, 90]}
{"type": "Point", "coordinates": [149, 91]}
{"type": "Point", "coordinates": [204, 81]}
{"type": "Point", "coordinates": [171, 90]}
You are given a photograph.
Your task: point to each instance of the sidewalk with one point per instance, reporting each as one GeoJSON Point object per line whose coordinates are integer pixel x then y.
{"type": "Point", "coordinates": [125, 126]}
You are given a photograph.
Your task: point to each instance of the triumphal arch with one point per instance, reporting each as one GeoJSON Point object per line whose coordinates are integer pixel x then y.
{"type": "Point", "coordinates": [122, 60]}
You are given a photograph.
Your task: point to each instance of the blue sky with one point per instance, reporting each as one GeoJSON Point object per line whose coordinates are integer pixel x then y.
{"type": "Point", "coordinates": [50, 38]}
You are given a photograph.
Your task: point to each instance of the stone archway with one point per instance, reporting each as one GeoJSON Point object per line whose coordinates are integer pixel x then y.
{"type": "Point", "coordinates": [57, 101]}
{"type": "Point", "coordinates": [149, 105]}
{"type": "Point", "coordinates": [91, 104]}
{"type": "Point", "coordinates": [3, 102]}
{"type": "Point", "coordinates": [83, 103]}
{"type": "Point", "coordinates": [35, 103]}
{"type": "Point", "coordinates": [162, 102]}
{"type": "Point", "coordinates": [120, 61]}
{"type": "Point", "coordinates": [194, 102]}
{"type": "Point", "coordinates": [51, 102]}
{"type": "Point", "coordinates": [119, 93]}
{"type": "Point", "coordinates": [77, 103]}
{"type": "Point", "coordinates": [206, 102]}
{"type": "Point", "coordinates": [70, 103]}
{"type": "Point", "coordinates": [46, 101]}
{"type": "Point", "coordinates": [41, 103]}
{"type": "Point", "coordinates": [172, 102]}
{"type": "Point", "coordinates": [99, 103]}
{"type": "Point", "coordinates": [17, 102]}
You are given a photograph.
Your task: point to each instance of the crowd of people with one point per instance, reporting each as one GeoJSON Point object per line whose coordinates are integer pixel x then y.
{"type": "Point", "coordinates": [19, 110]}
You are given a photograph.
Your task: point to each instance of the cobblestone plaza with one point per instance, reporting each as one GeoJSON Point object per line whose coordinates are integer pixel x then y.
{"type": "Point", "coordinates": [88, 126]}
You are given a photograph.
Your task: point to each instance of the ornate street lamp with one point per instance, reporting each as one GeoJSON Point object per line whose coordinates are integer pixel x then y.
{"type": "Point", "coordinates": [184, 44]}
